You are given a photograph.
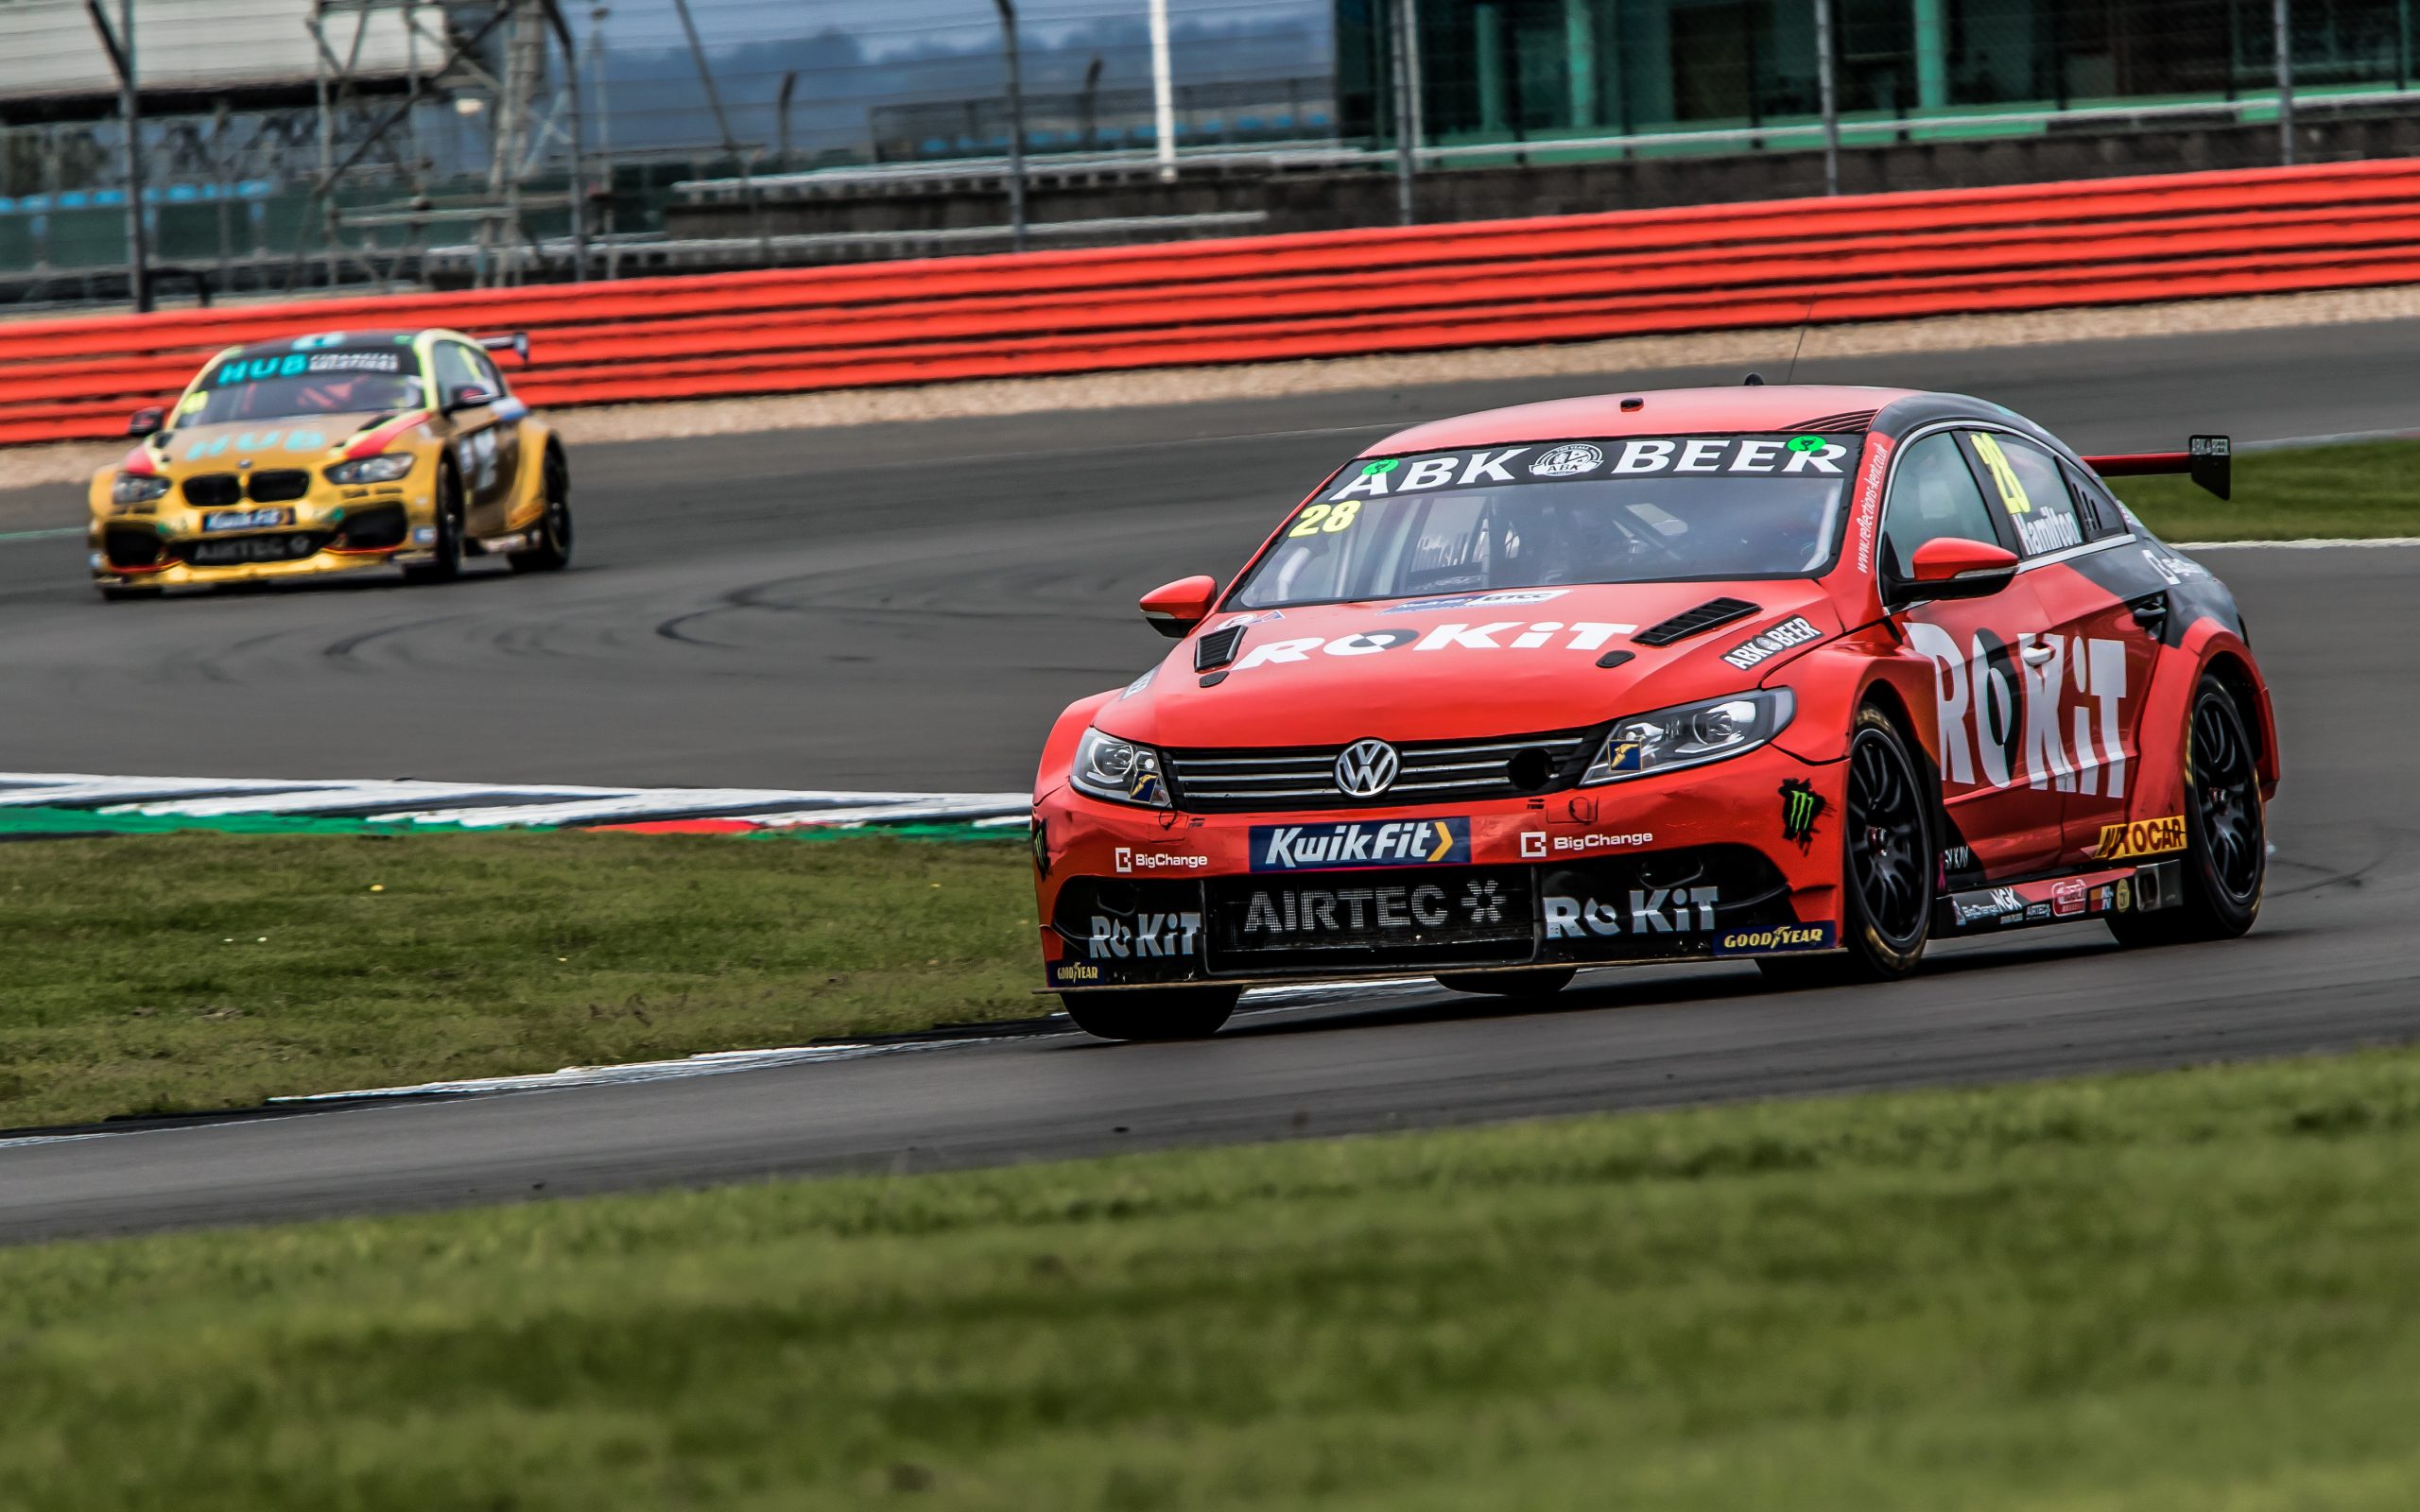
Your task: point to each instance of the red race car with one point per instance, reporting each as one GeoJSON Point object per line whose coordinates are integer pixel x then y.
{"type": "Point", "coordinates": [1809, 675]}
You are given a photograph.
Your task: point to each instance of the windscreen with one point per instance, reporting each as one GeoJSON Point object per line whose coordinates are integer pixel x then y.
{"type": "Point", "coordinates": [1637, 510]}
{"type": "Point", "coordinates": [335, 381]}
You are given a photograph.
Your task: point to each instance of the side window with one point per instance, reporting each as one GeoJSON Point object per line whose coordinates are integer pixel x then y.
{"type": "Point", "coordinates": [490, 378]}
{"type": "Point", "coordinates": [1933, 497]}
{"type": "Point", "coordinates": [2031, 488]}
{"type": "Point", "coordinates": [2102, 514]}
{"type": "Point", "coordinates": [456, 372]}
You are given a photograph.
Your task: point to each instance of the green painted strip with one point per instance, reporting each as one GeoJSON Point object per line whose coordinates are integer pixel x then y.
{"type": "Point", "coordinates": [63, 821]}
{"type": "Point", "coordinates": [91, 821]}
{"type": "Point", "coordinates": [955, 834]}
{"type": "Point", "coordinates": [63, 532]}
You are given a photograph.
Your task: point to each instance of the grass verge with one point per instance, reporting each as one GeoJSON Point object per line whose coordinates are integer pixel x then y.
{"type": "Point", "coordinates": [2352, 492]}
{"type": "Point", "coordinates": [2194, 1289]}
{"type": "Point", "coordinates": [174, 971]}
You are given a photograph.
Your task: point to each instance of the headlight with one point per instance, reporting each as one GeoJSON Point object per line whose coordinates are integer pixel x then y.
{"type": "Point", "coordinates": [1690, 734]}
{"type": "Point", "coordinates": [386, 469]}
{"type": "Point", "coordinates": [137, 488]}
{"type": "Point", "coordinates": [1119, 770]}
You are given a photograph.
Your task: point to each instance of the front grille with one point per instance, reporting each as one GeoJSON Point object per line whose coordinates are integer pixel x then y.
{"type": "Point", "coordinates": [211, 490]}
{"type": "Point", "coordinates": [278, 486]}
{"type": "Point", "coordinates": [129, 547]}
{"type": "Point", "coordinates": [1419, 917]}
{"type": "Point", "coordinates": [1262, 780]}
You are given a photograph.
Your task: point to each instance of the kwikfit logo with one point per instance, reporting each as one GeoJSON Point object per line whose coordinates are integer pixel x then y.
{"type": "Point", "coordinates": [1392, 842]}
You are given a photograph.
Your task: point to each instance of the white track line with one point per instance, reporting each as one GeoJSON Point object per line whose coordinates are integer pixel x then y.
{"type": "Point", "coordinates": [711, 1063]}
{"type": "Point", "coordinates": [717, 1062]}
{"type": "Point", "coordinates": [2307, 543]}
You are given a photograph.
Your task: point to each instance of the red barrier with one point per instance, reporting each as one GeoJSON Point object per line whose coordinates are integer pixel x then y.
{"type": "Point", "coordinates": [1320, 295]}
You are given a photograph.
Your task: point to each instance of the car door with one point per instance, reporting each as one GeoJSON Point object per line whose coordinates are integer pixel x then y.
{"type": "Point", "coordinates": [2000, 825]}
{"type": "Point", "coordinates": [486, 439]}
{"type": "Point", "coordinates": [2108, 602]}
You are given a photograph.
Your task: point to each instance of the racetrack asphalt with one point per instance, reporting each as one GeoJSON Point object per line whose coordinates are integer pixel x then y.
{"type": "Point", "coordinates": [908, 606]}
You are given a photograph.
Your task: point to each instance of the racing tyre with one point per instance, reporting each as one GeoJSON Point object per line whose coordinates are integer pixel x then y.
{"type": "Point", "coordinates": [1152, 1013]}
{"type": "Point", "coordinates": [553, 551]}
{"type": "Point", "coordinates": [2226, 847]}
{"type": "Point", "coordinates": [448, 564]}
{"type": "Point", "coordinates": [1886, 868]}
{"type": "Point", "coordinates": [1523, 985]}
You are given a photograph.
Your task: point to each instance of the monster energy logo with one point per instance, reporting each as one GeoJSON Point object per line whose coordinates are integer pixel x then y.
{"type": "Point", "coordinates": [1801, 806]}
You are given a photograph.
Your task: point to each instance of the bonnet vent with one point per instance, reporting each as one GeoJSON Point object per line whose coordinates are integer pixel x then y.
{"type": "Point", "coordinates": [1217, 648]}
{"type": "Point", "coordinates": [1690, 622]}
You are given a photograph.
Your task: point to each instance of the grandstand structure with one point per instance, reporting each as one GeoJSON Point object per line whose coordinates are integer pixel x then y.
{"type": "Point", "coordinates": [283, 144]}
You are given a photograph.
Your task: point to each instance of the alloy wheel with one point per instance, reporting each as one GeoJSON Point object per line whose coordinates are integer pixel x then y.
{"type": "Point", "coordinates": [1886, 838]}
{"type": "Point", "coordinates": [2224, 784]}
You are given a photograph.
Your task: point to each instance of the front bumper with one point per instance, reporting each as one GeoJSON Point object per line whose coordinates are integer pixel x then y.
{"type": "Point", "coordinates": [1692, 866]}
{"type": "Point", "coordinates": [330, 530]}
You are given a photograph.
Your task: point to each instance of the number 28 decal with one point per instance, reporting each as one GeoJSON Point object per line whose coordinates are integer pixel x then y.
{"type": "Point", "coordinates": [1321, 519]}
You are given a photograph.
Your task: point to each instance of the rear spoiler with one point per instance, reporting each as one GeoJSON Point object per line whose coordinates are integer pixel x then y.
{"type": "Point", "coordinates": [2207, 459]}
{"type": "Point", "coordinates": [516, 342]}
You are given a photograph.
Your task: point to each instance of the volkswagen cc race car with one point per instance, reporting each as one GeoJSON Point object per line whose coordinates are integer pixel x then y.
{"type": "Point", "coordinates": [331, 454]}
{"type": "Point", "coordinates": [1810, 676]}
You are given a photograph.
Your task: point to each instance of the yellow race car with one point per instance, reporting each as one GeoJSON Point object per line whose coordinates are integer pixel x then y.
{"type": "Point", "coordinates": [333, 453]}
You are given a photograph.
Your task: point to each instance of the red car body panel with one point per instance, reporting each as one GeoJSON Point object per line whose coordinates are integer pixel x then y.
{"type": "Point", "coordinates": [2051, 714]}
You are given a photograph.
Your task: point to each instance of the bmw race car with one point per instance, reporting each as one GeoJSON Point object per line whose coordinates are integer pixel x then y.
{"type": "Point", "coordinates": [1811, 675]}
{"type": "Point", "coordinates": [330, 454]}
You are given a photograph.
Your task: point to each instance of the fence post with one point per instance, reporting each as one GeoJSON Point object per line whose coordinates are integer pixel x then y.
{"type": "Point", "coordinates": [1162, 92]}
{"type": "Point", "coordinates": [1016, 126]}
{"type": "Point", "coordinates": [2281, 18]}
{"type": "Point", "coordinates": [1400, 57]}
{"type": "Point", "coordinates": [1828, 90]}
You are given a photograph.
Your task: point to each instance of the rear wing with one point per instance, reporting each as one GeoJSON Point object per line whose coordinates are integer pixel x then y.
{"type": "Point", "coordinates": [516, 342]}
{"type": "Point", "coordinates": [2206, 460]}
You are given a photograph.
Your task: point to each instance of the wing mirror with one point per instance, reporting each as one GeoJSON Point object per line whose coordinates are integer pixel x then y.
{"type": "Point", "coordinates": [1173, 609]}
{"type": "Point", "coordinates": [469, 399]}
{"type": "Point", "coordinates": [1953, 567]}
{"type": "Point", "coordinates": [146, 421]}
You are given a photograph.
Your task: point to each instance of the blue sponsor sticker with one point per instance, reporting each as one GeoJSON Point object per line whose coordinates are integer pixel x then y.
{"type": "Point", "coordinates": [1360, 843]}
{"type": "Point", "coordinates": [245, 520]}
{"type": "Point", "coordinates": [1771, 939]}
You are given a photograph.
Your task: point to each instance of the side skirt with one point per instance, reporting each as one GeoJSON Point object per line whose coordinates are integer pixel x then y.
{"type": "Point", "coordinates": [2060, 900]}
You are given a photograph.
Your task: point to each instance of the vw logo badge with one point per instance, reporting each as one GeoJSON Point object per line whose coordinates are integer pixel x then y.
{"type": "Point", "coordinates": [1366, 769]}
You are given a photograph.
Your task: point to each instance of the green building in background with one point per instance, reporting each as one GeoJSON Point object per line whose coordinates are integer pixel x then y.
{"type": "Point", "coordinates": [1530, 71]}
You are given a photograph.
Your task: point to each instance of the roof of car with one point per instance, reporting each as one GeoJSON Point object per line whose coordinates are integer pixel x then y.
{"type": "Point", "coordinates": [382, 338]}
{"type": "Point", "coordinates": [1744, 408]}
